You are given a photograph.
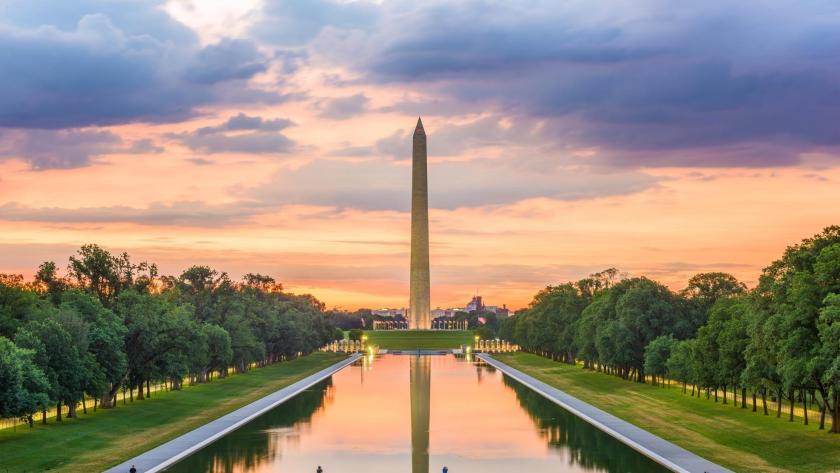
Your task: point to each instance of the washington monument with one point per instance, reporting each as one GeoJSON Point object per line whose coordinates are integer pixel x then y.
{"type": "Point", "coordinates": [419, 303]}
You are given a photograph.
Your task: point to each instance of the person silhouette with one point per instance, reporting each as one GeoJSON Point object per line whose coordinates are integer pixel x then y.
{"type": "Point", "coordinates": [319, 470]}
{"type": "Point", "coordinates": [132, 469]}
{"type": "Point", "coordinates": [445, 469]}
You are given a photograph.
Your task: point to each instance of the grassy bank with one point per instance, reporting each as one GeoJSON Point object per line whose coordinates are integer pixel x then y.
{"type": "Point", "coordinates": [419, 339]}
{"type": "Point", "coordinates": [98, 440]}
{"type": "Point", "coordinates": [737, 438]}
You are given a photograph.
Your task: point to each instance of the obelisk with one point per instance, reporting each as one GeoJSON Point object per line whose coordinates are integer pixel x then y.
{"type": "Point", "coordinates": [418, 302]}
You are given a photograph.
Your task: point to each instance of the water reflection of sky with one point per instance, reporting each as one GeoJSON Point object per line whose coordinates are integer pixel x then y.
{"type": "Point", "coordinates": [360, 421]}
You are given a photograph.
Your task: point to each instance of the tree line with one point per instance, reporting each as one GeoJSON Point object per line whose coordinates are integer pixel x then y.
{"type": "Point", "coordinates": [780, 339]}
{"type": "Point", "coordinates": [113, 324]}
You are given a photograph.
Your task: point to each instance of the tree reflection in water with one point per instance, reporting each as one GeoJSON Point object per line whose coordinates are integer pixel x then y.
{"type": "Point", "coordinates": [585, 445]}
{"type": "Point", "coordinates": [261, 442]}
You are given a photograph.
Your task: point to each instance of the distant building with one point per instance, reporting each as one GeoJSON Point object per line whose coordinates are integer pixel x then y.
{"type": "Point", "coordinates": [475, 305]}
{"type": "Point", "coordinates": [502, 311]}
{"type": "Point", "coordinates": [437, 313]}
{"type": "Point", "coordinates": [388, 312]}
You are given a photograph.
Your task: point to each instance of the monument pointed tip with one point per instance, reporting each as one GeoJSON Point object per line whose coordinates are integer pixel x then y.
{"type": "Point", "coordinates": [419, 128]}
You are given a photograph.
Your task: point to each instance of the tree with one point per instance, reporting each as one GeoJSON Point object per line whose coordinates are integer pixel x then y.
{"type": "Point", "coordinates": [598, 282]}
{"type": "Point", "coordinates": [594, 316]}
{"type": "Point", "coordinates": [106, 333]}
{"type": "Point", "coordinates": [104, 275]}
{"type": "Point", "coordinates": [732, 342]}
{"type": "Point", "coordinates": [680, 365]}
{"type": "Point", "coordinates": [657, 354]}
{"type": "Point", "coordinates": [761, 353]}
{"type": "Point", "coordinates": [95, 270]}
{"type": "Point", "coordinates": [49, 282]}
{"type": "Point", "coordinates": [829, 356]}
{"type": "Point", "coordinates": [794, 290]}
{"type": "Point", "coordinates": [157, 331]}
{"type": "Point", "coordinates": [209, 292]}
{"type": "Point", "coordinates": [113, 324]}
{"type": "Point", "coordinates": [56, 355]}
{"type": "Point", "coordinates": [16, 303]}
{"type": "Point", "coordinates": [721, 345]}
{"type": "Point", "coordinates": [556, 310]}
{"type": "Point", "coordinates": [218, 347]}
{"type": "Point", "coordinates": [645, 311]}
{"type": "Point", "coordinates": [24, 388]}
{"type": "Point", "coordinates": [709, 287]}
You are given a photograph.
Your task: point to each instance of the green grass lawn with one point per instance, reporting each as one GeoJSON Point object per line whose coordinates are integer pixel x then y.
{"type": "Point", "coordinates": [736, 438]}
{"type": "Point", "coordinates": [99, 440]}
{"type": "Point", "coordinates": [419, 339]}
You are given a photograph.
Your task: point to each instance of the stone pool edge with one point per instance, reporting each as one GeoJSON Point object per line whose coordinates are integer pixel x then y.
{"type": "Point", "coordinates": [661, 451]}
{"type": "Point", "coordinates": [171, 452]}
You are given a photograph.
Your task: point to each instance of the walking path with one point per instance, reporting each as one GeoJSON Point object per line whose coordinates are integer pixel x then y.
{"type": "Point", "coordinates": [165, 455]}
{"type": "Point", "coordinates": [659, 450]}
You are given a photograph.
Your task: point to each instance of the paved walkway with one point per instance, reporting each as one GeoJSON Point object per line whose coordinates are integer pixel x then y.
{"type": "Point", "coordinates": [165, 455]}
{"type": "Point", "coordinates": [661, 451]}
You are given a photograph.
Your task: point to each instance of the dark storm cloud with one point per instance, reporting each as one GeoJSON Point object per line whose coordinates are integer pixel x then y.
{"type": "Point", "coordinates": [95, 64]}
{"type": "Point", "coordinates": [655, 83]}
{"type": "Point", "coordinates": [240, 134]}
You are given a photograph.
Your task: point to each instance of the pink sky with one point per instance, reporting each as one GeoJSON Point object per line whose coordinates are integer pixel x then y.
{"type": "Point", "coordinates": [521, 197]}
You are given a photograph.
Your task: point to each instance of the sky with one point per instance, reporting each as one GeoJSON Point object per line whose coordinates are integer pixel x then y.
{"type": "Point", "coordinates": [565, 137]}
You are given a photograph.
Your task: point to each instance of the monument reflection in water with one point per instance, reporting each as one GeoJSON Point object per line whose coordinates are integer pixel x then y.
{"type": "Point", "coordinates": [421, 386]}
{"type": "Point", "coordinates": [417, 413]}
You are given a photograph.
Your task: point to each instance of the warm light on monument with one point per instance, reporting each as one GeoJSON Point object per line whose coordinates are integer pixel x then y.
{"type": "Point", "coordinates": [419, 305]}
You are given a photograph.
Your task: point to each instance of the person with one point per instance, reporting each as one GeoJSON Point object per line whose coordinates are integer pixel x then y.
{"type": "Point", "coordinates": [445, 469]}
{"type": "Point", "coordinates": [319, 470]}
{"type": "Point", "coordinates": [132, 469]}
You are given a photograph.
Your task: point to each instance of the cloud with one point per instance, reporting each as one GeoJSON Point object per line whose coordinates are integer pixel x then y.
{"type": "Point", "coordinates": [57, 149]}
{"type": "Point", "coordinates": [184, 213]}
{"type": "Point", "coordinates": [69, 148]}
{"type": "Point", "coordinates": [242, 122]}
{"type": "Point", "coordinates": [650, 84]}
{"type": "Point", "coordinates": [453, 139]}
{"type": "Point", "coordinates": [344, 107]}
{"type": "Point", "coordinates": [240, 134]}
{"type": "Point", "coordinates": [385, 185]}
{"type": "Point", "coordinates": [290, 60]}
{"type": "Point", "coordinates": [295, 22]}
{"type": "Point", "coordinates": [201, 161]}
{"type": "Point", "coordinates": [134, 17]}
{"type": "Point", "coordinates": [112, 68]}
{"type": "Point", "coordinates": [227, 60]}
{"type": "Point", "coordinates": [144, 146]}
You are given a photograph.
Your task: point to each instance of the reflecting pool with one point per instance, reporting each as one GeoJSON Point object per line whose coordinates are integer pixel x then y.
{"type": "Point", "coordinates": [401, 413]}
